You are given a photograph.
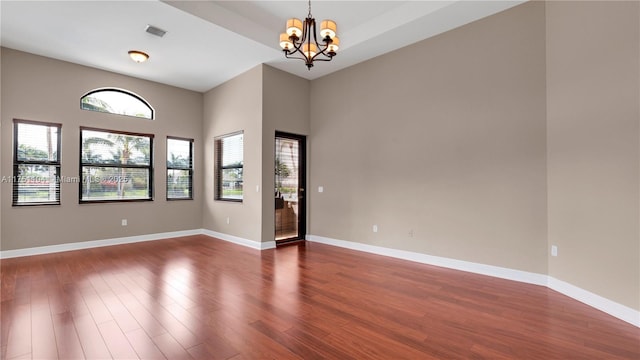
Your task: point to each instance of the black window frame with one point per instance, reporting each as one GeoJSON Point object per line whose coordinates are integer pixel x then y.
{"type": "Point", "coordinates": [218, 141]}
{"type": "Point", "coordinates": [16, 180]}
{"type": "Point", "coordinates": [116, 165]}
{"type": "Point", "coordinates": [123, 91]}
{"type": "Point", "coordinates": [188, 168]}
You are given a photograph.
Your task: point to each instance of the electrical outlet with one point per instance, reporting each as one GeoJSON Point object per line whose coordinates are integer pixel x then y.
{"type": "Point", "coordinates": [228, 220]}
{"type": "Point", "coordinates": [320, 189]}
{"type": "Point", "coordinates": [375, 228]}
{"type": "Point", "coordinates": [124, 222]}
{"type": "Point", "coordinates": [554, 250]}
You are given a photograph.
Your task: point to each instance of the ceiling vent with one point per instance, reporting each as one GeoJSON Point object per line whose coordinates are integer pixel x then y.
{"type": "Point", "coordinates": [155, 31]}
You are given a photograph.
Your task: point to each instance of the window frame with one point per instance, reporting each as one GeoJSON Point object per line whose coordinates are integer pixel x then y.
{"type": "Point", "coordinates": [17, 162]}
{"type": "Point", "coordinates": [123, 91]}
{"type": "Point", "coordinates": [218, 157]}
{"type": "Point", "coordinates": [83, 164]}
{"type": "Point", "coordinates": [189, 168]}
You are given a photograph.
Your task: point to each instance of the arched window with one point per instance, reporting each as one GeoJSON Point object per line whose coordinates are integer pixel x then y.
{"type": "Point", "coordinates": [116, 101]}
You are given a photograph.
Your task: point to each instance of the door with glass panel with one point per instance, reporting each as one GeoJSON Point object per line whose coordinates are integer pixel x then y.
{"type": "Point", "coordinates": [289, 199]}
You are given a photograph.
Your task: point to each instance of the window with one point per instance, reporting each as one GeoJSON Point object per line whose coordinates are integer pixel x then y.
{"type": "Point", "coordinates": [116, 101]}
{"type": "Point", "coordinates": [36, 163]}
{"type": "Point", "coordinates": [179, 169]}
{"type": "Point", "coordinates": [229, 167]}
{"type": "Point", "coordinates": [115, 166]}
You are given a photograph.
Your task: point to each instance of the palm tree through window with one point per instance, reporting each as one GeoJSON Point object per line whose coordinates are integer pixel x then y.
{"type": "Point", "coordinates": [115, 166]}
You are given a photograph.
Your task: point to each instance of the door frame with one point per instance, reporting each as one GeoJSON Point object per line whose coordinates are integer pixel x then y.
{"type": "Point", "coordinates": [302, 184]}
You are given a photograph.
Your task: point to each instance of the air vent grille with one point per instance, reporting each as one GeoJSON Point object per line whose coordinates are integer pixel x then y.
{"type": "Point", "coordinates": [155, 31]}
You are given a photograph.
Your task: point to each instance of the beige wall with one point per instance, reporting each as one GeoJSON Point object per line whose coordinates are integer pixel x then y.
{"type": "Point", "coordinates": [285, 108]}
{"type": "Point", "coordinates": [43, 89]}
{"type": "Point", "coordinates": [233, 106]}
{"type": "Point", "coordinates": [441, 144]}
{"type": "Point", "coordinates": [252, 102]}
{"type": "Point", "coordinates": [593, 117]}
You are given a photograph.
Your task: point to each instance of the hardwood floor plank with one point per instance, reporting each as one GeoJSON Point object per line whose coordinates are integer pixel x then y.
{"type": "Point", "coordinates": [19, 335]}
{"type": "Point", "coordinates": [6, 315]}
{"type": "Point", "coordinates": [143, 345]}
{"type": "Point", "coordinates": [93, 346]}
{"type": "Point", "coordinates": [67, 339]}
{"type": "Point", "coordinates": [96, 306]}
{"type": "Point", "coordinates": [213, 349]}
{"type": "Point", "coordinates": [142, 316]}
{"type": "Point", "coordinates": [116, 341]}
{"type": "Point", "coordinates": [8, 285]}
{"type": "Point", "coordinates": [43, 342]}
{"type": "Point", "coordinates": [196, 297]}
{"type": "Point", "coordinates": [170, 347]}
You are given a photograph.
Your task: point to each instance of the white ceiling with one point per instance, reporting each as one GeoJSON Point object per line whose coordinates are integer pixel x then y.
{"type": "Point", "coordinates": [210, 42]}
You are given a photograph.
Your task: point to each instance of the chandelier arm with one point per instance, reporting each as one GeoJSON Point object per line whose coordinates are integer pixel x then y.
{"type": "Point", "coordinates": [305, 30]}
{"type": "Point", "coordinates": [298, 42]}
{"type": "Point", "coordinates": [311, 22]}
{"type": "Point", "coordinates": [322, 51]}
{"type": "Point", "coordinates": [322, 59]}
{"type": "Point", "coordinates": [297, 49]}
{"type": "Point", "coordinates": [297, 46]}
{"type": "Point", "coordinates": [288, 56]}
{"type": "Point", "coordinates": [321, 48]}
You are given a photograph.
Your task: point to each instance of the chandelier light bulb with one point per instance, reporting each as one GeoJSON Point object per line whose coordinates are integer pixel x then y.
{"type": "Point", "coordinates": [310, 50]}
{"type": "Point", "coordinates": [294, 27]}
{"type": "Point", "coordinates": [335, 45]}
{"type": "Point", "coordinates": [285, 43]}
{"type": "Point", "coordinates": [328, 28]}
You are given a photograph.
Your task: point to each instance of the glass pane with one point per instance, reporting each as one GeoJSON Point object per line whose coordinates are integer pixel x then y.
{"type": "Point", "coordinates": [232, 184]}
{"type": "Point", "coordinates": [232, 150]}
{"type": "Point", "coordinates": [106, 183]}
{"type": "Point", "coordinates": [37, 184]}
{"type": "Point", "coordinates": [116, 102]}
{"type": "Point", "coordinates": [287, 163]}
{"type": "Point", "coordinates": [178, 184]}
{"type": "Point", "coordinates": [101, 147]}
{"type": "Point", "coordinates": [178, 153]}
{"type": "Point", "coordinates": [37, 142]}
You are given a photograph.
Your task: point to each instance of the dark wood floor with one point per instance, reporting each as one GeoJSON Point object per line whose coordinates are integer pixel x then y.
{"type": "Point", "coordinates": [196, 297]}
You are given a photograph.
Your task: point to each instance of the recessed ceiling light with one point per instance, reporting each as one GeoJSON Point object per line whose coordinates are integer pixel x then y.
{"type": "Point", "coordinates": [138, 56]}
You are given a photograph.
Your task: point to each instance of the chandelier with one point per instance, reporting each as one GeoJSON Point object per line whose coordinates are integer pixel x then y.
{"type": "Point", "coordinates": [297, 41]}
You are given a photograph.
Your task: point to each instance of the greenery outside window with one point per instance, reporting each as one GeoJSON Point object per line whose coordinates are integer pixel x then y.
{"type": "Point", "coordinates": [115, 166]}
{"type": "Point", "coordinates": [36, 163]}
{"type": "Point", "coordinates": [116, 101]}
{"type": "Point", "coordinates": [229, 167]}
{"type": "Point", "coordinates": [179, 169]}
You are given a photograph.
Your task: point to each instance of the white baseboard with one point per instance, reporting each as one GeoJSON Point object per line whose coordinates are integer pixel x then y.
{"type": "Point", "coordinates": [6, 254]}
{"type": "Point", "coordinates": [610, 307]}
{"type": "Point", "coordinates": [49, 249]}
{"type": "Point", "coordinates": [240, 241]}
{"type": "Point", "coordinates": [495, 271]}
